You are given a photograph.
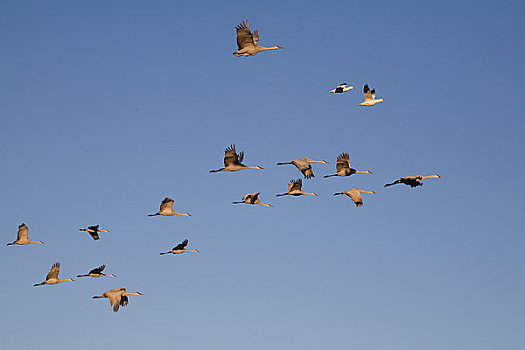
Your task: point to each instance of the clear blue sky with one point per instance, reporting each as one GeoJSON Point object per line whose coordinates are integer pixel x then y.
{"type": "Point", "coordinates": [107, 107]}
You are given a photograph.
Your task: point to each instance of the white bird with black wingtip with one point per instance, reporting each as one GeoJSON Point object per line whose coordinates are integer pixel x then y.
{"type": "Point", "coordinates": [341, 88]}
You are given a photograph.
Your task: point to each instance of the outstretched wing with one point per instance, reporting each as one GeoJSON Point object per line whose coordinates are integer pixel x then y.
{"type": "Point", "coordinates": [98, 269]}
{"type": "Point", "coordinates": [343, 162]}
{"type": "Point", "coordinates": [181, 246]}
{"type": "Point", "coordinates": [55, 269]}
{"type": "Point", "coordinates": [369, 95]}
{"type": "Point", "coordinates": [244, 37]}
{"type": "Point", "coordinates": [167, 204]}
{"type": "Point", "coordinates": [231, 157]}
{"type": "Point", "coordinates": [295, 185]}
{"type": "Point", "coordinates": [22, 232]}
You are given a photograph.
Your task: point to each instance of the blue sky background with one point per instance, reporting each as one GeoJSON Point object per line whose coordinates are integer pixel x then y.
{"type": "Point", "coordinates": [108, 107]}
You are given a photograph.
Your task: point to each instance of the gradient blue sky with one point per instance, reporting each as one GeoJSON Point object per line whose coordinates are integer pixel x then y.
{"type": "Point", "coordinates": [109, 106]}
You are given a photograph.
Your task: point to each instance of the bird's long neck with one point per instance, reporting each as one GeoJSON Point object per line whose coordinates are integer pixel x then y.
{"type": "Point", "coordinates": [331, 175]}
{"type": "Point", "coordinates": [82, 275]}
{"type": "Point", "coordinates": [190, 251]}
{"type": "Point", "coordinates": [429, 177]}
{"type": "Point", "coordinates": [217, 170]}
{"type": "Point", "coordinates": [281, 194]}
{"type": "Point", "coordinates": [262, 48]}
{"type": "Point", "coordinates": [284, 163]}
{"type": "Point", "coordinates": [39, 284]}
{"type": "Point", "coordinates": [40, 242]}
{"type": "Point", "coordinates": [99, 296]}
{"type": "Point", "coordinates": [338, 193]}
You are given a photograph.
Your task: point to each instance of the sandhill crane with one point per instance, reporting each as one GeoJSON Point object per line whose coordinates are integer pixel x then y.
{"type": "Point", "coordinates": [294, 189]}
{"type": "Point", "coordinates": [355, 194]}
{"type": "Point", "coordinates": [52, 276]}
{"type": "Point", "coordinates": [232, 161]}
{"type": "Point", "coordinates": [166, 209]}
{"type": "Point", "coordinates": [247, 41]}
{"type": "Point", "coordinates": [252, 198]}
{"type": "Point", "coordinates": [93, 231]}
{"type": "Point", "coordinates": [344, 168]}
{"type": "Point", "coordinates": [370, 97]}
{"type": "Point", "coordinates": [413, 180]}
{"type": "Point", "coordinates": [341, 88]}
{"type": "Point", "coordinates": [117, 297]}
{"type": "Point", "coordinates": [97, 272]}
{"type": "Point", "coordinates": [180, 248]}
{"type": "Point", "coordinates": [22, 238]}
{"type": "Point", "coordinates": [303, 164]}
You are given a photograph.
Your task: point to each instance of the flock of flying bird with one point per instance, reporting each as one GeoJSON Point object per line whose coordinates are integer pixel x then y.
{"type": "Point", "coordinates": [247, 44]}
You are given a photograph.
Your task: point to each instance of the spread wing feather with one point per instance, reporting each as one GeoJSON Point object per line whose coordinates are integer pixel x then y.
{"type": "Point", "coordinates": [98, 269]}
{"type": "Point", "coordinates": [295, 185]}
{"type": "Point", "coordinates": [244, 36]}
{"type": "Point", "coordinates": [343, 162]}
{"type": "Point", "coordinates": [55, 269]}
{"type": "Point", "coordinates": [181, 246]}
{"type": "Point", "coordinates": [231, 157]}
{"type": "Point", "coordinates": [23, 232]}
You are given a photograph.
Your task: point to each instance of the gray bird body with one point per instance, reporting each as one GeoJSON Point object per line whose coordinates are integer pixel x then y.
{"type": "Point", "coordinates": [117, 297]}
{"type": "Point", "coordinates": [355, 195]}
{"type": "Point", "coordinates": [52, 276]}
{"type": "Point", "coordinates": [303, 164]}
{"type": "Point", "coordinates": [252, 198]}
{"type": "Point", "coordinates": [344, 168]}
{"type": "Point", "coordinates": [166, 209]}
{"type": "Point", "coordinates": [295, 189]}
{"type": "Point", "coordinates": [22, 236]}
{"type": "Point", "coordinates": [233, 161]}
{"type": "Point", "coordinates": [413, 180]}
{"type": "Point", "coordinates": [247, 41]}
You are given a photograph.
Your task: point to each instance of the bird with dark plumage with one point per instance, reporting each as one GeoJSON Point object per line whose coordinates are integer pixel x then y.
{"type": "Point", "coordinates": [344, 168]}
{"type": "Point", "coordinates": [232, 161]}
{"type": "Point", "coordinates": [93, 231]}
{"type": "Point", "coordinates": [303, 164]}
{"type": "Point", "coordinates": [413, 180]}
{"type": "Point", "coordinates": [252, 198]}
{"type": "Point", "coordinates": [97, 272]}
{"type": "Point", "coordinates": [181, 248]}
{"type": "Point", "coordinates": [355, 195]}
{"type": "Point", "coordinates": [341, 88]}
{"type": "Point", "coordinates": [166, 209]}
{"type": "Point", "coordinates": [247, 41]}
{"type": "Point", "coordinates": [22, 236]}
{"type": "Point", "coordinates": [295, 189]}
